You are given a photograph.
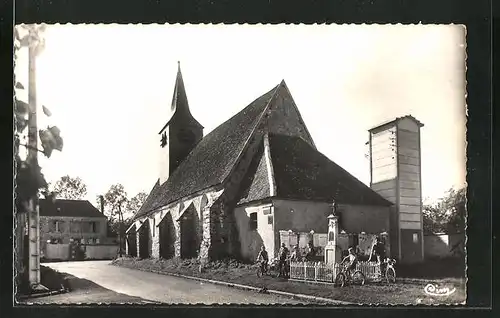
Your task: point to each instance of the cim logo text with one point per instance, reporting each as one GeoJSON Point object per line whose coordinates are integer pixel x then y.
{"type": "Point", "coordinates": [432, 290]}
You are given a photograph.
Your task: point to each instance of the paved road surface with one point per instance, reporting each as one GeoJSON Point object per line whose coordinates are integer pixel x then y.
{"type": "Point", "coordinates": [162, 288]}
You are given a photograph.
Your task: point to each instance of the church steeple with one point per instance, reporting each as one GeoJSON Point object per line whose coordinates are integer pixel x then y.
{"type": "Point", "coordinates": [181, 133]}
{"type": "Point", "coordinates": [179, 100]}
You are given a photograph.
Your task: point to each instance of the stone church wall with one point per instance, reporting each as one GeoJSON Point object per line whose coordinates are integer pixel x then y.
{"type": "Point", "coordinates": [251, 239]}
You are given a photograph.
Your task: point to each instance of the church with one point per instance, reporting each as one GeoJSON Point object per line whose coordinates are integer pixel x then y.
{"type": "Point", "coordinates": [233, 190]}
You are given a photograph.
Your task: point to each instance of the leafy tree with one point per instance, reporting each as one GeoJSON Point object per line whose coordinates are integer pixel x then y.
{"type": "Point", "coordinates": [454, 203]}
{"type": "Point", "coordinates": [115, 200]}
{"type": "Point", "coordinates": [135, 203]}
{"type": "Point", "coordinates": [69, 188]}
{"type": "Point", "coordinates": [448, 214]}
{"type": "Point", "coordinates": [434, 219]}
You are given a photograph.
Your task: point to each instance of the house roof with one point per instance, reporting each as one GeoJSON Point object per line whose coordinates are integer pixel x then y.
{"type": "Point", "coordinates": [420, 124]}
{"type": "Point", "coordinates": [213, 158]}
{"type": "Point", "coordinates": [69, 208]}
{"type": "Point", "coordinates": [303, 173]}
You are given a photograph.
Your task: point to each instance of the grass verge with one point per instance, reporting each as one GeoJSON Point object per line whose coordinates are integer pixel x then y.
{"type": "Point", "coordinates": [404, 292]}
{"type": "Point", "coordinates": [51, 279]}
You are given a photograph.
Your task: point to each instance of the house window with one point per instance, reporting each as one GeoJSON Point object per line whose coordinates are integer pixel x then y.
{"type": "Point", "coordinates": [54, 226]}
{"type": "Point", "coordinates": [93, 227]}
{"type": "Point", "coordinates": [75, 227]}
{"type": "Point", "coordinates": [154, 227]}
{"type": "Point", "coordinates": [253, 221]}
{"type": "Point", "coordinates": [269, 219]}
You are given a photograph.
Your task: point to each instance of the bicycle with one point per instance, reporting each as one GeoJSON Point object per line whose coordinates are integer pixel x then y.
{"type": "Point", "coordinates": [346, 276]}
{"type": "Point", "coordinates": [269, 270]}
{"type": "Point", "coordinates": [390, 271]}
{"type": "Point", "coordinates": [284, 270]}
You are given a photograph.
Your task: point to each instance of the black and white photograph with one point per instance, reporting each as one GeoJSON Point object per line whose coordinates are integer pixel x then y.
{"type": "Point", "coordinates": [163, 164]}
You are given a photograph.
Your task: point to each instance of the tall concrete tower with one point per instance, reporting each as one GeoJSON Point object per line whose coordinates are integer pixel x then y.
{"type": "Point", "coordinates": [395, 170]}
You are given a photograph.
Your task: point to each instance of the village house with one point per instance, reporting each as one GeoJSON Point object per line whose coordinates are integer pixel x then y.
{"type": "Point", "coordinates": [253, 178]}
{"type": "Point", "coordinates": [65, 221]}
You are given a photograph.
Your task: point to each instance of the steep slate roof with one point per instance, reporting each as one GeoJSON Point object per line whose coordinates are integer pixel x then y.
{"type": "Point", "coordinates": [303, 173]}
{"type": "Point", "coordinates": [255, 185]}
{"type": "Point", "coordinates": [211, 160]}
{"type": "Point", "coordinates": [69, 208]}
{"type": "Point", "coordinates": [180, 105]}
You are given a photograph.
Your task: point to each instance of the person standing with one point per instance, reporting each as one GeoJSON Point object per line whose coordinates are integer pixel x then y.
{"type": "Point", "coordinates": [263, 258]}
{"type": "Point", "coordinates": [311, 252]}
{"type": "Point", "coordinates": [283, 256]}
{"type": "Point", "coordinates": [378, 250]}
{"type": "Point", "coordinates": [295, 257]}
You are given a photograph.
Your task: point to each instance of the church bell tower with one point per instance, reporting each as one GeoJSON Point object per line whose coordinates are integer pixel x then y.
{"type": "Point", "coordinates": [180, 134]}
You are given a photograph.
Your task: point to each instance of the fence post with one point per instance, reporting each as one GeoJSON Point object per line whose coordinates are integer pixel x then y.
{"type": "Point", "coordinates": [334, 272]}
{"type": "Point", "coordinates": [315, 271]}
{"type": "Point", "coordinates": [305, 270]}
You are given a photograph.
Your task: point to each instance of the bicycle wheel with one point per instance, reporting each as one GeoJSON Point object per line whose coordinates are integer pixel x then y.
{"type": "Point", "coordinates": [390, 275]}
{"type": "Point", "coordinates": [358, 278]}
{"type": "Point", "coordinates": [259, 272]}
{"type": "Point", "coordinates": [340, 280]}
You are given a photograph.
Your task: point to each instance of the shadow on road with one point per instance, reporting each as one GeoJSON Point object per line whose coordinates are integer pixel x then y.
{"type": "Point", "coordinates": [84, 291]}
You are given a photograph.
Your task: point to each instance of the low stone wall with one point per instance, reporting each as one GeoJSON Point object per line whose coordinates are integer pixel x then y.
{"type": "Point", "coordinates": [444, 245]}
{"type": "Point", "coordinates": [101, 251]}
{"type": "Point", "coordinates": [62, 252]}
{"type": "Point", "coordinates": [56, 252]}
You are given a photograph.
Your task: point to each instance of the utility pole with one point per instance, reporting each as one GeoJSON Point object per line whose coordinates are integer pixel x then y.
{"type": "Point", "coordinates": [32, 158]}
{"type": "Point", "coordinates": [120, 226]}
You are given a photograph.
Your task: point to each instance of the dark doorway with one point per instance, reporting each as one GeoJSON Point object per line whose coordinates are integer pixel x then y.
{"type": "Point", "coordinates": [190, 233]}
{"type": "Point", "coordinates": [132, 243]}
{"type": "Point", "coordinates": [144, 241]}
{"type": "Point", "coordinates": [411, 246]}
{"type": "Point", "coordinates": [167, 237]}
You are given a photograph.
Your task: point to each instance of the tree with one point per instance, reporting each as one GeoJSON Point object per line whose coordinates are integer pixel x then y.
{"type": "Point", "coordinates": [454, 203]}
{"type": "Point", "coordinates": [448, 214]}
{"type": "Point", "coordinates": [135, 203]}
{"type": "Point", "coordinates": [29, 180]}
{"type": "Point", "coordinates": [69, 188]}
{"type": "Point", "coordinates": [115, 200]}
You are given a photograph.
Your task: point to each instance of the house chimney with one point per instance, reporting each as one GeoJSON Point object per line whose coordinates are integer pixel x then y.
{"type": "Point", "coordinates": [102, 203]}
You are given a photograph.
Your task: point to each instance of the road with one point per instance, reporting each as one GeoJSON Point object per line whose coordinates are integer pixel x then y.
{"type": "Point", "coordinates": [163, 288]}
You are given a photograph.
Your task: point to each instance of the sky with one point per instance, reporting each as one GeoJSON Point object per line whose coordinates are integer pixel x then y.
{"type": "Point", "coordinates": [109, 88]}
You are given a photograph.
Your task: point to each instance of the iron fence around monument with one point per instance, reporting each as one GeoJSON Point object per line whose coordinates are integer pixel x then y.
{"type": "Point", "coordinates": [322, 272]}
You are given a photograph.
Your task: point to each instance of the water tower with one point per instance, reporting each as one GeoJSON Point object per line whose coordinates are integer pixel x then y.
{"type": "Point", "coordinates": [395, 173]}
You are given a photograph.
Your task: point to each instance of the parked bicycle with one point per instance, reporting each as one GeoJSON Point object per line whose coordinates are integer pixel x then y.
{"type": "Point", "coordinates": [347, 276]}
{"type": "Point", "coordinates": [390, 271]}
{"type": "Point", "coordinates": [271, 269]}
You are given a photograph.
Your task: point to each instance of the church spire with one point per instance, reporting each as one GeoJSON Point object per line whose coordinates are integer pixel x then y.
{"type": "Point", "coordinates": [179, 100]}
{"type": "Point", "coordinates": [181, 133]}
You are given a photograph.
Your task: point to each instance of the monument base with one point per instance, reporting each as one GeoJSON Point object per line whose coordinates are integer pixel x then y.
{"type": "Point", "coordinates": [333, 254]}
